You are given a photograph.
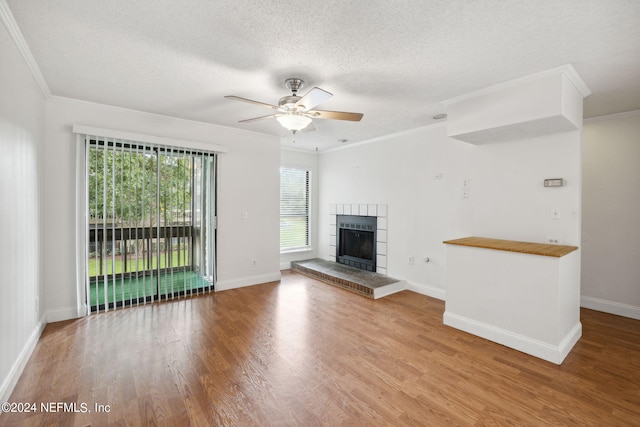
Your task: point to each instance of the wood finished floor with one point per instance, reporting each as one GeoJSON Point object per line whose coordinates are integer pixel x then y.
{"type": "Point", "coordinates": [304, 353]}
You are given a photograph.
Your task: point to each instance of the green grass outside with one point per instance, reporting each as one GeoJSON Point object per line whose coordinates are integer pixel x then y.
{"type": "Point", "coordinates": [142, 264]}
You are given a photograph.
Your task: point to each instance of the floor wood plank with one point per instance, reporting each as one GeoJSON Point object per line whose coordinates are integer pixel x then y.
{"type": "Point", "coordinates": [302, 353]}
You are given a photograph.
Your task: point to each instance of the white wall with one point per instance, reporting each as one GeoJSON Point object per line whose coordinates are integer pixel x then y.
{"type": "Point", "coordinates": [611, 212]}
{"type": "Point", "coordinates": [21, 154]}
{"type": "Point", "coordinates": [507, 198]}
{"type": "Point", "coordinates": [308, 160]}
{"type": "Point", "coordinates": [248, 181]}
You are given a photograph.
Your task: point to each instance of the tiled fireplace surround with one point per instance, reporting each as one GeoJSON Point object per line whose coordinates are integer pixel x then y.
{"type": "Point", "coordinates": [360, 209]}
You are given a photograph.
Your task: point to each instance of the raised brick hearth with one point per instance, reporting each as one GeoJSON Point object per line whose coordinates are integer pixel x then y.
{"type": "Point", "coordinates": [366, 283]}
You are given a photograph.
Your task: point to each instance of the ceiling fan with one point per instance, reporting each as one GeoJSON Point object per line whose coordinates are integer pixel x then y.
{"type": "Point", "coordinates": [295, 113]}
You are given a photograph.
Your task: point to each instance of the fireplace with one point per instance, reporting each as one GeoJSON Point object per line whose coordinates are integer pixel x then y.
{"type": "Point", "coordinates": [356, 241]}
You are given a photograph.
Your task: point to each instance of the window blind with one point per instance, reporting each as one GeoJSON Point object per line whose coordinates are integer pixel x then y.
{"type": "Point", "coordinates": [294, 209]}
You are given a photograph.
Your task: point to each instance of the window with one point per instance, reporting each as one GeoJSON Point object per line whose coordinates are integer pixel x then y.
{"type": "Point", "coordinates": [294, 209]}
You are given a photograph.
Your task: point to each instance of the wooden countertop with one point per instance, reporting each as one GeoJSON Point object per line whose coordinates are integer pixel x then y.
{"type": "Point", "coordinates": [544, 249]}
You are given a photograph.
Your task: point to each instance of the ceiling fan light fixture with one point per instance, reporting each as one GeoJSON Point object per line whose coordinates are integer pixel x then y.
{"type": "Point", "coordinates": [294, 122]}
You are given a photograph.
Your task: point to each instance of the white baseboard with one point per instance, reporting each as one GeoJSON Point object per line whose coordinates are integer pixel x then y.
{"type": "Point", "coordinates": [549, 352]}
{"type": "Point", "coordinates": [285, 265]}
{"type": "Point", "coordinates": [62, 314]}
{"type": "Point", "coordinates": [610, 307]}
{"type": "Point", "coordinates": [11, 380]}
{"type": "Point", "coordinates": [389, 289]}
{"type": "Point", "coordinates": [430, 291]}
{"type": "Point", "coordinates": [224, 285]}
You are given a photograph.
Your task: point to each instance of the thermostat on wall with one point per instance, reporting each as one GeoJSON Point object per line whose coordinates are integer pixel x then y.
{"type": "Point", "coordinates": [553, 182]}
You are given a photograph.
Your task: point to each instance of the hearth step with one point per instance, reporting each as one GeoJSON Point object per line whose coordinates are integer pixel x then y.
{"type": "Point", "coordinates": [366, 283]}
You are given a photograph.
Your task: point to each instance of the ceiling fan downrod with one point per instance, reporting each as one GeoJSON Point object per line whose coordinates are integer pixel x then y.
{"type": "Point", "coordinates": [294, 84]}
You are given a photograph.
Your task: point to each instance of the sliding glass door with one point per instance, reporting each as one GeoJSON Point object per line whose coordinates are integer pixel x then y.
{"type": "Point", "coordinates": [150, 222]}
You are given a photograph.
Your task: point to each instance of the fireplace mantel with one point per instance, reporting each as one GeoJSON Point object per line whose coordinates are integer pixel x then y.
{"type": "Point", "coordinates": [362, 209]}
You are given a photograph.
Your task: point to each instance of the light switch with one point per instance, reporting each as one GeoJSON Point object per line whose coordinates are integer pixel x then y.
{"type": "Point", "coordinates": [556, 213]}
{"type": "Point", "coordinates": [465, 188]}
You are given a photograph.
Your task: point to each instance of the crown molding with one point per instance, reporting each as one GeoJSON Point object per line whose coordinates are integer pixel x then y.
{"type": "Point", "coordinates": [18, 39]}
{"type": "Point", "coordinates": [613, 116]}
{"type": "Point", "coordinates": [441, 123]}
{"type": "Point", "coordinates": [55, 98]}
{"type": "Point", "coordinates": [298, 150]}
{"type": "Point", "coordinates": [567, 70]}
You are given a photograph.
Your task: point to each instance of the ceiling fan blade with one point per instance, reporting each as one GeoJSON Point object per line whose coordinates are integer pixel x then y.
{"type": "Point", "coordinates": [251, 101]}
{"type": "Point", "coordinates": [314, 97]}
{"type": "Point", "coordinates": [335, 115]}
{"type": "Point", "coordinates": [258, 118]}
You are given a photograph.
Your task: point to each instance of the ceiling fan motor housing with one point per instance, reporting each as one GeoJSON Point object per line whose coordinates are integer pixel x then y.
{"type": "Point", "coordinates": [289, 102]}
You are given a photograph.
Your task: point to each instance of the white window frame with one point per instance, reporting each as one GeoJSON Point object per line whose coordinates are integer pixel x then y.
{"type": "Point", "coordinates": [308, 246]}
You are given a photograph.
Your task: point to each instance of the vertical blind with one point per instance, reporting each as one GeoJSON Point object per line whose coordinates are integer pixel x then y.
{"type": "Point", "coordinates": [294, 208]}
{"type": "Point", "coordinates": [150, 222]}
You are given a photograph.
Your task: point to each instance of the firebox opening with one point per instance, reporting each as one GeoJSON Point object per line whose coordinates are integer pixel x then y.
{"type": "Point", "coordinates": [356, 241]}
{"type": "Point", "coordinates": [357, 244]}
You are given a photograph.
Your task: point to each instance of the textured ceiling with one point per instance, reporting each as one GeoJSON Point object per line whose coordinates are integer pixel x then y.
{"type": "Point", "coordinates": [395, 61]}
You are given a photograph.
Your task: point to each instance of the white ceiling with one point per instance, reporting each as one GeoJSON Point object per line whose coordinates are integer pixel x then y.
{"type": "Point", "coordinates": [393, 60]}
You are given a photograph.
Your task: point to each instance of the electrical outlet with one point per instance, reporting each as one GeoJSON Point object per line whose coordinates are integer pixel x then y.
{"type": "Point", "coordinates": [554, 240]}
{"type": "Point", "coordinates": [411, 260]}
{"type": "Point", "coordinates": [254, 263]}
